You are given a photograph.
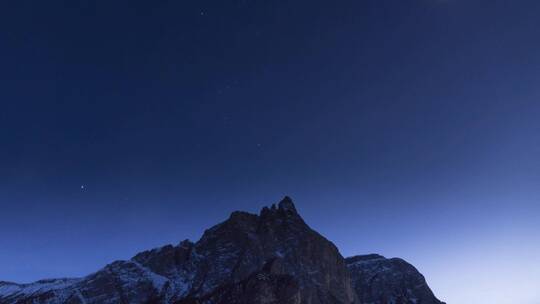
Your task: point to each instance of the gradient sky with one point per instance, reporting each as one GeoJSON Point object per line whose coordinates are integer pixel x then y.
{"type": "Point", "coordinates": [409, 128]}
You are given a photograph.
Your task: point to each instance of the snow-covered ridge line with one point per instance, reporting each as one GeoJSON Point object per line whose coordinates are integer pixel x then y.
{"type": "Point", "coordinates": [10, 288]}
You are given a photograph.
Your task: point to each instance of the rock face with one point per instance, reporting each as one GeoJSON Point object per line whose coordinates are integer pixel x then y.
{"type": "Point", "coordinates": [270, 258]}
{"type": "Point", "coordinates": [379, 280]}
{"type": "Point", "coordinates": [267, 286]}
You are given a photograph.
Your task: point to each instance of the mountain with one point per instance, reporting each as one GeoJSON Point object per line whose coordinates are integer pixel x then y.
{"type": "Point", "coordinates": [270, 258]}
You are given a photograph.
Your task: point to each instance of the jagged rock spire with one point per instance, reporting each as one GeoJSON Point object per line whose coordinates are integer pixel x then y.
{"type": "Point", "coordinates": [287, 204]}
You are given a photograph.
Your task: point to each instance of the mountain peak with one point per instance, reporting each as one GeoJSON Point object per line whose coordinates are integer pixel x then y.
{"type": "Point", "coordinates": [284, 208]}
{"type": "Point", "coordinates": [286, 204]}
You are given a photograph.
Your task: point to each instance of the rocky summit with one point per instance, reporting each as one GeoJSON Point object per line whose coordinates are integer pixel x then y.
{"type": "Point", "coordinates": [270, 258]}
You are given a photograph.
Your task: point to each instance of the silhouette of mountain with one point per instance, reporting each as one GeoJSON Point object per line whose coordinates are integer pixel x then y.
{"type": "Point", "coordinates": [272, 257]}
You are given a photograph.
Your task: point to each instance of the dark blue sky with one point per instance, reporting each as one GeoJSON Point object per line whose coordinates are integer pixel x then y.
{"type": "Point", "coordinates": [409, 128]}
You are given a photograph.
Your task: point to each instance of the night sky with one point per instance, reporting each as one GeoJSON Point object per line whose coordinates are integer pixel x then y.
{"type": "Point", "coordinates": [408, 128]}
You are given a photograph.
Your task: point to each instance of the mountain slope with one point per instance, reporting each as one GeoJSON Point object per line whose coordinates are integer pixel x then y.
{"type": "Point", "coordinates": [272, 257]}
{"type": "Point", "coordinates": [379, 280]}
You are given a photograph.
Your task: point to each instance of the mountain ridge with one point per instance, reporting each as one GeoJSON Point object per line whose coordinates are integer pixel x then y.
{"type": "Point", "coordinates": [270, 257]}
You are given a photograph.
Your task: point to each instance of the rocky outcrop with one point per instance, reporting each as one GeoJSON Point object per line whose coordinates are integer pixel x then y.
{"type": "Point", "coordinates": [379, 280]}
{"type": "Point", "coordinates": [270, 285]}
{"type": "Point", "coordinates": [267, 258]}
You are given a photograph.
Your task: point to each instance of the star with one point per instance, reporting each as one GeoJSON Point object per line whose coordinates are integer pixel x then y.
{"type": "Point", "coordinates": [83, 187]}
